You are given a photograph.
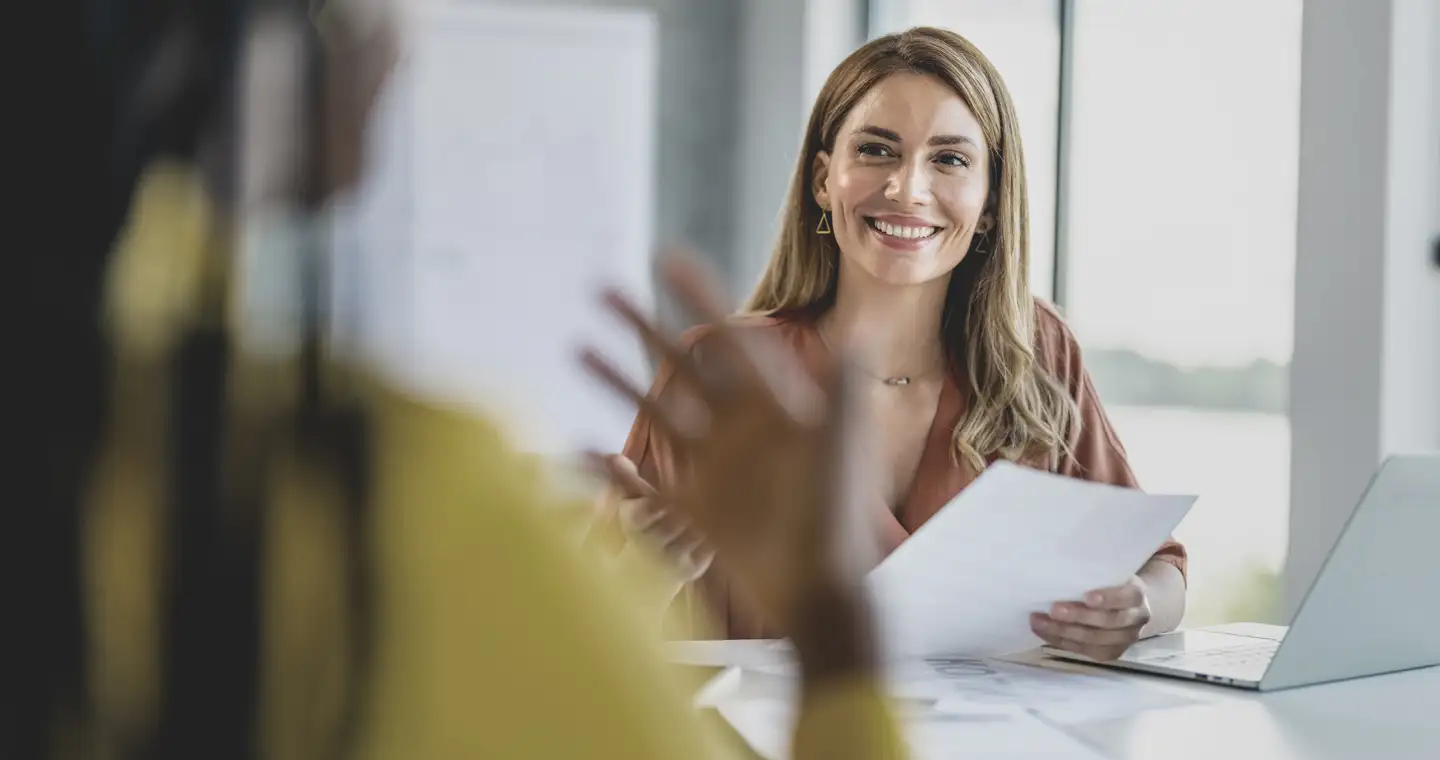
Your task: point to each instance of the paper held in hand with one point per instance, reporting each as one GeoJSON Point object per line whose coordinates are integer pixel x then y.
{"type": "Point", "coordinates": [1014, 542]}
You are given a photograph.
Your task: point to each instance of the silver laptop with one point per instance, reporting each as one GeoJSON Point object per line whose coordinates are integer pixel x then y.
{"type": "Point", "coordinates": [1374, 606]}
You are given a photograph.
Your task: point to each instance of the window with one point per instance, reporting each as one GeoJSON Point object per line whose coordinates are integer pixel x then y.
{"type": "Point", "coordinates": [1176, 260]}
{"type": "Point", "coordinates": [1179, 269]}
{"type": "Point", "coordinates": [1022, 39]}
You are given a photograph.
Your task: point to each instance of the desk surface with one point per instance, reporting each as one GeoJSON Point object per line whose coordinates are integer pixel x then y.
{"type": "Point", "coordinates": [1395, 717]}
{"type": "Point", "coordinates": [1389, 717]}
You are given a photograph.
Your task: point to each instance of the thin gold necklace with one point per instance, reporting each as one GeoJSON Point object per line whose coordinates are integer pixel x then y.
{"type": "Point", "coordinates": [895, 381]}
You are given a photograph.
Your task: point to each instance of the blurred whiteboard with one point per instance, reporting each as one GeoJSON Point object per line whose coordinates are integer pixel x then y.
{"type": "Point", "coordinates": [514, 175]}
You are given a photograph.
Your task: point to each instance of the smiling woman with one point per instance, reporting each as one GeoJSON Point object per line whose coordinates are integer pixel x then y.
{"type": "Point", "coordinates": [905, 240]}
{"type": "Point", "coordinates": [913, 164]}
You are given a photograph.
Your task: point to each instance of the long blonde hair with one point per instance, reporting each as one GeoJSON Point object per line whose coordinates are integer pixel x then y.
{"type": "Point", "coordinates": [1017, 410]}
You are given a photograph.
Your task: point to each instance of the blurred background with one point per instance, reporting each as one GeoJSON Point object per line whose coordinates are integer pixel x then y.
{"type": "Point", "coordinates": [1230, 296]}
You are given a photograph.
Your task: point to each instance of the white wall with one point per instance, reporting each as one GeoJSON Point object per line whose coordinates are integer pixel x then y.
{"type": "Point", "coordinates": [1365, 380]}
{"type": "Point", "coordinates": [698, 102]}
{"type": "Point", "coordinates": [737, 79]}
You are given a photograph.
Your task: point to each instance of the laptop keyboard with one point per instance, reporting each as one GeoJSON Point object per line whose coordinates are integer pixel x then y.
{"type": "Point", "coordinates": [1245, 655]}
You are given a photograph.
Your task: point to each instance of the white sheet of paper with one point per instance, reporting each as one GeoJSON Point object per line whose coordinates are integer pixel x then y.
{"type": "Point", "coordinates": [994, 734]}
{"type": "Point", "coordinates": [1014, 542]}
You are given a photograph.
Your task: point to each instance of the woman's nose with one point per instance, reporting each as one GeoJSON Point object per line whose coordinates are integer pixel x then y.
{"type": "Point", "coordinates": [909, 185]}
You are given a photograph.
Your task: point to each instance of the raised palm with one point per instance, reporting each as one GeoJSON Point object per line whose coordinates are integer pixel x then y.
{"type": "Point", "coordinates": [771, 454]}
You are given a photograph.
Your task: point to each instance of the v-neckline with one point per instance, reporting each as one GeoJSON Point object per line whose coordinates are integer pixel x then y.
{"type": "Point", "coordinates": [937, 476]}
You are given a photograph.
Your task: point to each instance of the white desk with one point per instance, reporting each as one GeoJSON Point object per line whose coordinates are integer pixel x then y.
{"type": "Point", "coordinates": [1390, 717]}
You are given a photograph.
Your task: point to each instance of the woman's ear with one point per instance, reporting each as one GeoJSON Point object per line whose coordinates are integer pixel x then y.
{"type": "Point", "coordinates": [820, 172]}
{"type": "Point", "coordinates": [988, 217]}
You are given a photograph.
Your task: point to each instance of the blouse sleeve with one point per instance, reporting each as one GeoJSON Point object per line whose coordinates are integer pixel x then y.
{"type": "Point", "coordinates": [652, 452]}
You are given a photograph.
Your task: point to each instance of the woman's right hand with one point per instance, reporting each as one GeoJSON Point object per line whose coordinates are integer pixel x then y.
{"type": "Point", "coordinates": [644, 518]}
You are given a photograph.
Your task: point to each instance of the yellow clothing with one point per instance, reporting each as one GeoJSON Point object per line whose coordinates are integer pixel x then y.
{"type": "Point", "coordinates": [498, 636]}
{"type": "Point", "coordinates": [519, 648]}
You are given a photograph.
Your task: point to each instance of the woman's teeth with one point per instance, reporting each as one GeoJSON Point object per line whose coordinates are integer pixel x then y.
{"type": "Point", "coordinates": [907, 233]}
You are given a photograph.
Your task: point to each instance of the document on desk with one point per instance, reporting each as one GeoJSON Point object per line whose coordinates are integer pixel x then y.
{"type": "Point", "coordinates": [964, 686]}
{"type": "Point", "coordinates": [997, 734]}
{"type": "Point", "coordinates": [1014, 542]}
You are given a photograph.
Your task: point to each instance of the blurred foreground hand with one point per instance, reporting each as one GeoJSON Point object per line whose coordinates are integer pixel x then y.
{"type": "Point", "coordinates": [774, 469]}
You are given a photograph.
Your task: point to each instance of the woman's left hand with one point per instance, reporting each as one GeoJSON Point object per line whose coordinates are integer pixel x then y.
{"type": "Point", "coordinates": [1102, 626]}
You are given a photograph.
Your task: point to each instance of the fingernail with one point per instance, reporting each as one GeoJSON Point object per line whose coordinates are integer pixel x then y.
{"type": "Point", "coordinates": [1094, 598]}
{"type": "Point", "coordinates": [1061, 613]}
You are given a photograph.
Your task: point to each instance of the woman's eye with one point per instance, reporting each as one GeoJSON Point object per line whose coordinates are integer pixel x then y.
{"type": "Point", "coordinates": [954, 159]}
{"type": "Point", "coordinates": [875, 149]}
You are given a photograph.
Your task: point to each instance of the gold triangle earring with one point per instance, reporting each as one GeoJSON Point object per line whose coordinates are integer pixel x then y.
{"type": "Point", "coordinates": [824, 227]}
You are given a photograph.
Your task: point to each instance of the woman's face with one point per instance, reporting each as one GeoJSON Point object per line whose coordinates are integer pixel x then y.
{"type": "Point", "coordinates": [907, 182]}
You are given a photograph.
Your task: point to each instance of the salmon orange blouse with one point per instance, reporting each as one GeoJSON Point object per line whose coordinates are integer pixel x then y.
{"type": "Point", "coordinates": [1097, 454]}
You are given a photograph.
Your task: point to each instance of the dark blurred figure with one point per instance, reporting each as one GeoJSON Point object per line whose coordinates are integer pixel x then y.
{"type": "Point", "coordinates": [118, 83]}
{"type": "Point", "coordinates": [116, 87]}
{"type": "Point", "coordinates": [203, 522]}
